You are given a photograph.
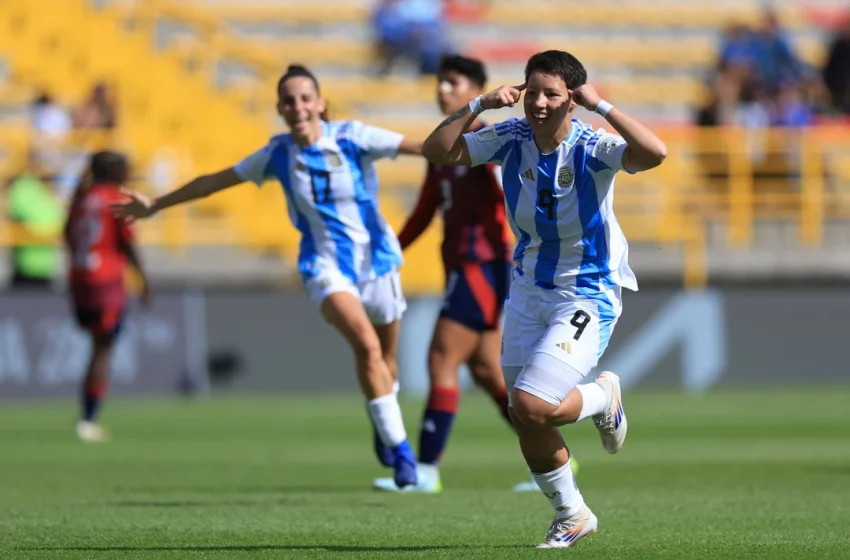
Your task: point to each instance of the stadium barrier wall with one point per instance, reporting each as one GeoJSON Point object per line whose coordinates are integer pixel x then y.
{"type": "Point", "coordinates": [277, 343]}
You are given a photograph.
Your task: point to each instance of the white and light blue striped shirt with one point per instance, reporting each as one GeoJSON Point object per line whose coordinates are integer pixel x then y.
{"type": "Point", "coordinates": [331, 192]}
{"type": "Point", "coordinates": [560, 205]}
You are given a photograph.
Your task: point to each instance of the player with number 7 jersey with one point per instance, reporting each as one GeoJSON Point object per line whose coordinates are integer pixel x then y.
{"type": "Point", "coordinates": [349, 256]}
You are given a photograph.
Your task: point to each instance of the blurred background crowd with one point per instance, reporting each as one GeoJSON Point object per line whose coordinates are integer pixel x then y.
{"type": "Point", "coordinates": [186, 86]}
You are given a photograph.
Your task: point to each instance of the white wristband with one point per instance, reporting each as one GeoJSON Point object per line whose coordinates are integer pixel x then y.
{"type": "Point", "coordinates": [603, 108]}
{"type": "Point", "coordinates": [475, 106]}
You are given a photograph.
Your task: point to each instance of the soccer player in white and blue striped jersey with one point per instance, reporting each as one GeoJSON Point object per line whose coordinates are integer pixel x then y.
{"type": "Point", "coordinates": [571, 261]}
{"type": "Point", "coordinates": [349, 256]}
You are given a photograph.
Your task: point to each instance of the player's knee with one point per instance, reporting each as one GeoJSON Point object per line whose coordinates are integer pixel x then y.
{"type": "Point", "coordinates": [442, 368]}
{"type": "Point", "coordinates": [530, 410]}
{"type": "Point", "coordinates": [368, 348]}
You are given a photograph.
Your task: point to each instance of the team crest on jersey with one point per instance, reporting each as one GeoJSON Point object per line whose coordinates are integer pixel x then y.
{"type": "Point", "coordinates": [565, 177]}
{"type": "Point", "coordinates": [332, 158]}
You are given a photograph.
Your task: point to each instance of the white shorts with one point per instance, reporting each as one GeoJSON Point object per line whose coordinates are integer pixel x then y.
{"type": "Point", "coordinates": [381, 296]}
{"type": "Point", "coordinates": [571, 328]}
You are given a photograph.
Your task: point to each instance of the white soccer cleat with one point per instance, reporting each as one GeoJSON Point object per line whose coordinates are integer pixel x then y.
{"type": "Point", "coordinates": [89, 432]}
{"type": "Point", "coordinates": [529, 485]}
{"type": "Point", "coordinates": [565, 532]}
{"type": "Point", "coordinates": [611, 422]}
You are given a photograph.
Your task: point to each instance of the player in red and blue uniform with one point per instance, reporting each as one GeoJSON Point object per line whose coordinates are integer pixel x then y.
{"type": "Point", "coordinates": [100, 246]}
{"type": "Point", "coordinates": [476, 255]}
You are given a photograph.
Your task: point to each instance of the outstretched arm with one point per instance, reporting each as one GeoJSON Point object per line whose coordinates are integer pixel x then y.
{"type": "Point", "coordinates": [645, 150]}
{"type": "Point", "coordinates": [446, 146]}
{"type": "Point", "coordinates": [140, 206]}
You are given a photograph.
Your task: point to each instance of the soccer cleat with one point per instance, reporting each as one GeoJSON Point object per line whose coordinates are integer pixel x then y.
{"type": "Point", "coordinates": [611, 422]}
{"type": "Point", "coordinates": [427, 482]}
{"type": "Point", "coordinates": [385, 454]}
{"type": "Point", "coordinates": [404, 464]}
{"type": "Point", "coordinates": [89, 432]}
{"type": "Point", "coordinates": [565, 532]}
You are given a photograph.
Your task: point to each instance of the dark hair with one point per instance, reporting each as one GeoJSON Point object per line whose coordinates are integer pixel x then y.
{"type": "Point", "coordinates": [469, 67]}
{"type": "Point", "coordinates": [558, 63]}
{"type": "Point", "coordinates": [297, 70]}
{"type": "Point", "coordinates": [109, 167]}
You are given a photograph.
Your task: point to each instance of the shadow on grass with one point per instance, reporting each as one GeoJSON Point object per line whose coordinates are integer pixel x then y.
{"type": "Point", "coordinates": [262, 547]}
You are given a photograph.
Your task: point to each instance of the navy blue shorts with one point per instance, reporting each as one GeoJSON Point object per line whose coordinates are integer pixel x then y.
{"type": "Point", "coordinates": [475, 294]}
{"type": "Point", "coordinates": [104, 322]}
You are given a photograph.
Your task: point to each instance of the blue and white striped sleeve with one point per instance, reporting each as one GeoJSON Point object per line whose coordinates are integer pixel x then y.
{"type": "Point", "coordinates": [256, 167]}
{"type": "Point", "coordinates": [490, 144]}
{"type": "Point", "coordinates": [609, 149]}
{"type": "Point", "coordinates": [375, 143]}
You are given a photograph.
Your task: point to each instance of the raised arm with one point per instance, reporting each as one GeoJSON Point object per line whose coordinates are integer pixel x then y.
{"type": "Point", "coordinates": [139, 206]}
{"type": "Point", "coordinates": [446, 146]}
{"type": "Point", "coordinates": [645, 150]}
{"type": "Point", "coordinates": [423, 213]}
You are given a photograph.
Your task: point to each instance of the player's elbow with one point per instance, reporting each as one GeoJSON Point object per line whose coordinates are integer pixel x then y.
{"type": "Point", "coordinates": [439, 154]}
{"type": "Point", "coordinates": [659, 153]}
{"type": "Point", "coordinates": [435, 152]}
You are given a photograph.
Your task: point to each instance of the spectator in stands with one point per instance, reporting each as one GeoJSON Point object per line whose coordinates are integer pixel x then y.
{"type": "Point", "coordinates": [790, 109]}
{"type": "Point", "coordinates": [32, 206]}
{"type": "Point", "coordinates": [836, 73]}
{"type": "Point", "coordinates": [775, 63]}
{"type": "Point", "coordinates": [736, 47]}
{"type": "Point", "coordinates": [409, 29]}
{"type": "Point", "coordinates": [49, 119]}
{"type": "Point", "coordinates": [97, 112]}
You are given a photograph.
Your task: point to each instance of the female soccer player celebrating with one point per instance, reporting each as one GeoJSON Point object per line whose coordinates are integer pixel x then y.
{"type": "Point", "coordinates": [349, 256]}
{"type": "Point", "coordinates": [571, 261]}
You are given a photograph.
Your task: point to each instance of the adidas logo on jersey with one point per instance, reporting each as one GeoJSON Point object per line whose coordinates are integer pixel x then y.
{"type": "Point", "coordinates": [528, 174]}
{"type": "Point", "coordinates": [566, 347]}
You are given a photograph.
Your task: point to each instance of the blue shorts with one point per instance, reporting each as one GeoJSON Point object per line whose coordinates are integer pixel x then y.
{"type": "Point", "coordinates": [475, 294]}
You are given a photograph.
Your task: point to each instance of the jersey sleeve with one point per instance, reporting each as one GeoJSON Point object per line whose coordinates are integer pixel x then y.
{"type": "Point", "coordinates": [609, 150]}
{"type": "Point", "coordinates": [375, 143]}
{"type": "Point", "coordinates": [491, 143]}
{"type": "Point", "coordinates": [255, 167]}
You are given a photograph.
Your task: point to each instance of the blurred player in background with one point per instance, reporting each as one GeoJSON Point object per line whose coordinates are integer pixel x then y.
{"type": "Point", "coordinates": [349, 256]}
{"type": "Point", "coordinates": [100, 247]}
{"type": "Point", "coordinates": [476, 258]}
{"type": "Point", "coordinates": [571, 261]}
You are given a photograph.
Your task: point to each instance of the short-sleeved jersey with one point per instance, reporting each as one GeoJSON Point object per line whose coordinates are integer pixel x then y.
{"type": "Point", "coordinates": [560, 205]}
{"type": "Point", "coordinates": [95, 240]}
{"type": "Point", "coordinates": [331, 192]}
{"type": "Point", "coordinates": [475, 229]}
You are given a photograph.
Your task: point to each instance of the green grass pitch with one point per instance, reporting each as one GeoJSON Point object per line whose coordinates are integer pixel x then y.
{"type": "Point", "coordinates": [745, 474]}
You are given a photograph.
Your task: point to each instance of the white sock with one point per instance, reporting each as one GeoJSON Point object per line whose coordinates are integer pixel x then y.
{"type": "Point", "coordinates": [560, 488]}
{"type": "Point", "coordinates": [386, 415]}
{"type": "Point", "coordinates": [594, 400]}
{"type": "Point", "coordinates": [427, 472]}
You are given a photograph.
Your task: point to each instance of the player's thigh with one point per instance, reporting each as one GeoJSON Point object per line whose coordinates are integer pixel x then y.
{"type": "Point", "coordinates": [452, 344]}
{"type": "Point", "coordinates": [521, 334]}
{"type": "Point", "coordinates": [383, 299]}
{"type": "Point", "coordinates": [345, 312]}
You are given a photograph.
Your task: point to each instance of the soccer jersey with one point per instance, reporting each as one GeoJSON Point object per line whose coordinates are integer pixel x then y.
{"type": "Point", "coordinates": [331, 193]}
{"type": "Point", "coordinates": [473, 207]}
{"type": "Point", "coordinates": [95, 240]}
{"type": "Point", "coordinates": [560, 205]}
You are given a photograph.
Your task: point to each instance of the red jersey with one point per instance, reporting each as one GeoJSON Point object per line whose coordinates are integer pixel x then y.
{"type": "Point", "coordinates": [95, 240]}
{"type": "Point", "coordinates": [473, 205]}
